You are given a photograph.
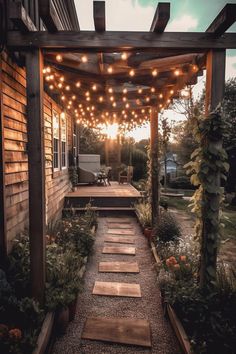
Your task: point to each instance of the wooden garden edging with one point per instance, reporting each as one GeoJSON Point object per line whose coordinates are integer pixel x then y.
{"type": "Point", "coordinates": [45, 333]}
{"type": "Point", "coordinates": [179, 330]}
{"type": "Point", "coordinates": [168, 309]}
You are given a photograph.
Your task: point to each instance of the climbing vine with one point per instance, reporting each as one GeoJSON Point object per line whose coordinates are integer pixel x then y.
{"type": "Point", "coordinates": [208, 167]}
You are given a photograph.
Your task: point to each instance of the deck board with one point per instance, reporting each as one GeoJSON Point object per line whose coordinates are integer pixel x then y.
{"type": "Point", "coordinates": [114, 190]}
{"type": "Point", "coordinates": [120, 232]}
{"type": "Point", "coordinates": [118, 330]}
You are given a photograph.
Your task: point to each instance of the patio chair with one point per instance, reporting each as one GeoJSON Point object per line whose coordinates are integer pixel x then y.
{"type": "Point", "coordinates": [126, 176]}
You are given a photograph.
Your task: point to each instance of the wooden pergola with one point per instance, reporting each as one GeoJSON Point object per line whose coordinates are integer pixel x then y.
{"type": "Point", "coordinates": [144, 71]}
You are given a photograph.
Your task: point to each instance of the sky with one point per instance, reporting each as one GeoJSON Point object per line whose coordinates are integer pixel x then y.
{"type": "Point", "coordinates": [137, 15]}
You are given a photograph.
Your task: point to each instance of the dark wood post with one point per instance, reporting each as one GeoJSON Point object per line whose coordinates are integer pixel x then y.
{"type": "Point", "coordinates": [37, 220]}
{"type": "Point", "coordinates": [215, 84]}
{"type": "Point", "coordinates": [154, 166]}
{"type": "Point", "coordinates": [3, 236]}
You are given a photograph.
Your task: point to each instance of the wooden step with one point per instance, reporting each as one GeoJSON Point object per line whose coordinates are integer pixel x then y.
{"type": "Point", "coordinates": [107, 288]}
{"type": "Point", "coordinates": [118, 330]}
{"type": "Point", "coordinates": [120, 232]}
{"type": "Point", "coordinates": [118, 267]}
{"type": "Point", "coordinates": [119, 250]}
{"type": "Point", "coordinates": [119, 220]}
{"type": "Point", "coordinates": [119, 239]}
{"type": "Point", "coordinates": [120, 225]}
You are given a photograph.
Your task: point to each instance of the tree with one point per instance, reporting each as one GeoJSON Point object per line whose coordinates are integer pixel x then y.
{"type": "Point", "coordinates": [90, 142]}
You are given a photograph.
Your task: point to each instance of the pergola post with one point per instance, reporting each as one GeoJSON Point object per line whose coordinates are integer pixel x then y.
{"type": "Point", "coordinates": [36, 155]}
{"type": "Point", "coordinates": [215, 84]}
{"type": "Point", "coordinates": [154, 166]}
{"type": "Point", "coordinates": [3, 237]}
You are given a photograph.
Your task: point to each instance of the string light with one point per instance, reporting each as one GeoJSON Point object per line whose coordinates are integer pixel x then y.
{"type": "Point", "coordinates": [131, 72]}
{"type": "Point", "coordinates": [124, 56]}
{"type": "Point", "coordinates": [161, 95]}
{"type": "Point", "coordinates": [73, 97]}
{"type": "Point", "coordinates": [153, 89]}
{"type": "Point", "coordinates": [110, 90]}
{"type": "Point", "coordinates": [78, 84]}
{"type": "Point", "coordinates": [84, 59]}
{"type": "Point", "coordinates": [60, 85]}
{"type": "Point", "coordinates": [124, 90]}
{"type": "Point", "coordinates": [177, 72]}
{"type": "Point", "coordinates": [110, 69]}
{"type": "Point", "coordinates": [100, 99]}
{"type": "Point", "coordinates": [140, 90]}
{"type": "Point", "coordinates": [51, 87]}
{"type": "Point", "coordinates": [94, 87]}
{"type": "Point", "coordinates": [59, 58]}
{"type": "Point", "coordinates": [62, 78]}
{"type": "Point", "coordinates": [67, 88]}
{"type": "Point", "coordinates": [154, 72]}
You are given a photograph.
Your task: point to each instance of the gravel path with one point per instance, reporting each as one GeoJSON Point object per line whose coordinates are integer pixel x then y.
{"type": "Point", "coordinates": [148, 307]}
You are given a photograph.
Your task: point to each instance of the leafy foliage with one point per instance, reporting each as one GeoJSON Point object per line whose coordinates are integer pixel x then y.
{"type": "Point", "coordinates": [168, 228]}
{"type": "Point", "coordinates": [208, 166]}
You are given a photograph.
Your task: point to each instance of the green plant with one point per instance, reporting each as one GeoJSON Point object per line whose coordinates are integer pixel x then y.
{"type": "Point", "coordinates": [63, 280]}
{"type": "Point", "coordinates": [144, 214]}
{"type": "Point", "coordinates": [19, 266]}
{"type": "Point", "coordinates": [168, 228]}
{"type": "Point", "coordinates": [207, 168]}
{"type": "Point", "coordinates": [182, 182]}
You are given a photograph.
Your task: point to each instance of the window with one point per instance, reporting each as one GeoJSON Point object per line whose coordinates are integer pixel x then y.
{"type": "Point", "coordinates": [63, 141]}
{"type": "Point", "coordinates": [56, 136]}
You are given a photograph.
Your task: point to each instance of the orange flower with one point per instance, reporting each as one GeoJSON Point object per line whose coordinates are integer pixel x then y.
{"type": "Point", "coordinates": [183, 258]}
{"type": "Point", "coordinates": [15, 334]}
{"type": "Point", "coordinates": [172, 260]}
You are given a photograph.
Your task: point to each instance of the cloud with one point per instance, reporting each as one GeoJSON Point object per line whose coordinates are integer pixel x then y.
{"type": "Point", "coordinates": [230, 70]}
{"type": "Point", "coordinates": [184, 23]}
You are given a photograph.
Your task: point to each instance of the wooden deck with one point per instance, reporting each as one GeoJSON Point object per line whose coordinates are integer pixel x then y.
{"type": "Point", "coordinates": [116, 197]}
{"type": "Point", "coordinates": [114, 190]}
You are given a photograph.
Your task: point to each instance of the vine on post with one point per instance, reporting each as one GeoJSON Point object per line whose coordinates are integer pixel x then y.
{"type": "Point", "coordinates": [208, 167]}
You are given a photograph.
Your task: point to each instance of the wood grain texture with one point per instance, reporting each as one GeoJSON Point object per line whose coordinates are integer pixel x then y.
{"type": "Point", "coordinates": [118, 267]}
{"type": "Point", "coordinates": [161, 17]}
{"type": "Point", "coordinates": [120, 232]}
{"type": "Point", "coordinates": [113, 225]}
{"type": "Point", "coordinates": [99, 16]}
{"type": "Point", "coordinates": [119, 250]}
{"type": "Point", "coordinates": [118, 330]}
{"type": "Point", "coordinates": [223, 20]}
{"type": "Point", "coordinates": [118, 220]}
{"type": "Point", "coordinates": [119, 239]}
{"type": "Point", "coordinates": [112, 41]}
{"type": "Point", "coordinates": [116, 289]}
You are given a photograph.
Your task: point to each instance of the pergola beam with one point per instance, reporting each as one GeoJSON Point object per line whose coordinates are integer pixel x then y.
{"type": "Point", "coordinates": [99, 16]}
{"type": "Point", "coordinates": [110, 41]}
{"type": "Point", "coordinates": [223, 21]}
{"type": "Point", "coordinates": [161, 17]}
{"type": "Point", "coordinates": [49, 16]}
{"type": "Point", "coordinates": [20, 18]}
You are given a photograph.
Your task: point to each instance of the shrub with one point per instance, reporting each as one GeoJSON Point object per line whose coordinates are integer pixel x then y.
{"type": "Point", "coordinates": [182, 182]}
{"type": "Point", "coordinates": [168, 228]}
{"type": "Point", "coordinates": [144, 214]}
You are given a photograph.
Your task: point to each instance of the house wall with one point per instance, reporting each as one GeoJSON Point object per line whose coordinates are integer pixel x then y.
{"type": "Point", "coordinates": [16, 157]}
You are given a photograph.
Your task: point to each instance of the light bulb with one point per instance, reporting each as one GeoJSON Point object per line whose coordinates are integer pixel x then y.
{"type": "Point", "coordinates": [59, 58]}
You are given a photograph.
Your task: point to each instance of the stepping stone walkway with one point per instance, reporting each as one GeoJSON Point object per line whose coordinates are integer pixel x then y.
{"type": "Point", "coordinates": [121, 302]}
